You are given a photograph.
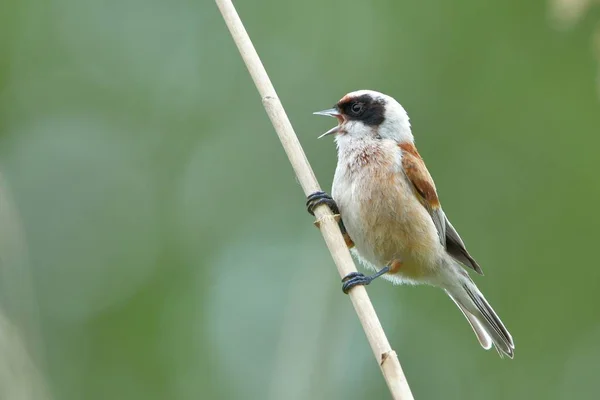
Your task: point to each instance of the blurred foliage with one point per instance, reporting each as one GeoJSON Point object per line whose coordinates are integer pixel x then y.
{"type": "Point", "coordinates": [154, 242]}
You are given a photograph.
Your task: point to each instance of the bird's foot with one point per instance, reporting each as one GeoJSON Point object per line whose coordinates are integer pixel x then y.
{"type": "Point", "coordinates": [318, 198]}
{"type": "Point", "coordinates": [356, 278]}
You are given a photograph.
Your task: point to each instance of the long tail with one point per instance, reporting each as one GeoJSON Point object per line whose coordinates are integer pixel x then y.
{"type": "Point", "coordinates": [483, 319]}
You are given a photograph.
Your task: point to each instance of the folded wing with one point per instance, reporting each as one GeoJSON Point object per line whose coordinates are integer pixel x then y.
{"type": "Point", "coordinates": [415, 170]}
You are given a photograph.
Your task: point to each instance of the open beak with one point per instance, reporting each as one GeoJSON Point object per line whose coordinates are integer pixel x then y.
{"type": "Point", "coordinates": [332, 112]}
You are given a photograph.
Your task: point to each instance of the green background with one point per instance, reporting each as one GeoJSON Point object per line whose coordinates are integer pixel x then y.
{"type": "Point", "coordinates": [153, 238]}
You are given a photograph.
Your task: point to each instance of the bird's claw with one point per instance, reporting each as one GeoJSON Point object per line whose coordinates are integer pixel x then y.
{"type": "Point", "coordinates": [354, 279]}
{"type": "Point", "coordinates": [318, 198]}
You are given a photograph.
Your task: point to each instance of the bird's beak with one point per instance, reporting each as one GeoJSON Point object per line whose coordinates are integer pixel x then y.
{"type": "Point", "coordinates": [332, 112]}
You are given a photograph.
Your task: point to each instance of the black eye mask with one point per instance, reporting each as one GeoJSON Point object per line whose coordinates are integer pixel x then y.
{"type": "Point", "coordinates": [363, 108]}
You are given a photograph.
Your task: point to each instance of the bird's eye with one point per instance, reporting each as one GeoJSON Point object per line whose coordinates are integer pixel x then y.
{"type": "Point", "coordinates": [357, 108]}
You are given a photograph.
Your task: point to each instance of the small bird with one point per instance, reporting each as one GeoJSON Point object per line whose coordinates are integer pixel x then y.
{"type": "Point", "coordinates": [390, 213]}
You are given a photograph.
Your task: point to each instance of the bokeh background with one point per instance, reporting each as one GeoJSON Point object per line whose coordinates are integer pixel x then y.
{"type": "Point", "coordinates": [153, 238]}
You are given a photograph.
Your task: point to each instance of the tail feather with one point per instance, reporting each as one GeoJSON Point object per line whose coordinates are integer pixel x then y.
{"type": "Point", "coordinates": [484, 339]}
{"type": "Point", "coordinates": [483, 319]}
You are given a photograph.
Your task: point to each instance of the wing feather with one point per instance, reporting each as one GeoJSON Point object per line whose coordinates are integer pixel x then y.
{"type": "Point", "coordinates": [457, 249]}
{"type": "Point", "coordinates": [416, 171]}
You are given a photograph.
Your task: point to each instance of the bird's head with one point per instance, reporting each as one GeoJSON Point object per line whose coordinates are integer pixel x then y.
{"type": "Point", "coordinates": [369, 114]}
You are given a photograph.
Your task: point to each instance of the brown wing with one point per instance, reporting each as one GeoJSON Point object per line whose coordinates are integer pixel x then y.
{"type": "Point", "coordinates": [416, 171]}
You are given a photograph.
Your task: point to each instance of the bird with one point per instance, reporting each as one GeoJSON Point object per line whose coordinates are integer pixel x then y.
{"type": "Point", "coordinates": [390, 213]}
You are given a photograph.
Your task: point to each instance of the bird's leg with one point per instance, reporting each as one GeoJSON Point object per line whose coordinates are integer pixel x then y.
{"type": "Point", "coordinates": [318, 198]}
{"type": "Point", "coordinates": [357, 278]}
